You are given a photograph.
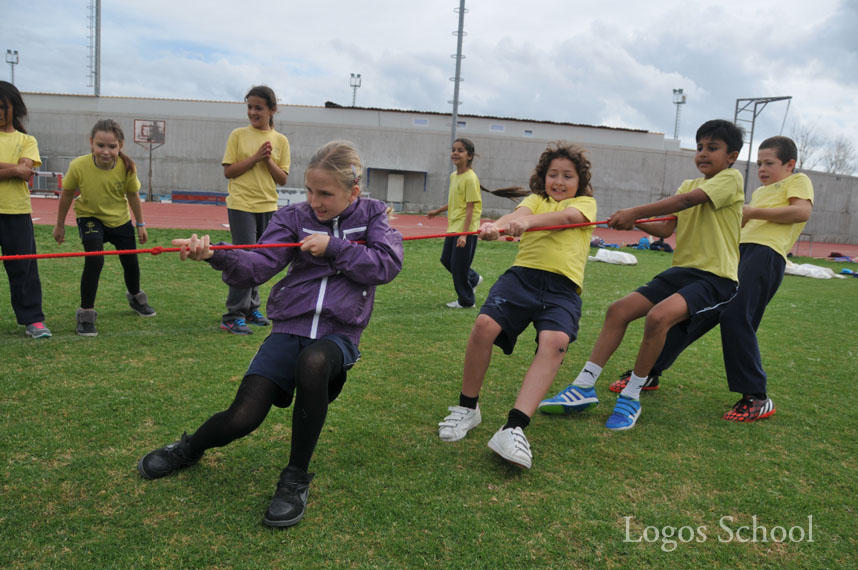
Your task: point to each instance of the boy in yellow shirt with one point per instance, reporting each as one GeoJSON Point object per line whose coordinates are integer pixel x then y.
{"type": "Point", "coordinates": [771, 224]}
{"type": "Point", "coordinates": [703, 276]}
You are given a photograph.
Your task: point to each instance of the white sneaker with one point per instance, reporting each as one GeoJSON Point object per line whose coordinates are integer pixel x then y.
{"type": "Point", "coordinates": [512, 445]}
{"type": "Point", "coordinates": [460, 421]}
{"type": "Point", "coordinates": [480, 280]}
{"type": "Point", "coordinates": [455, 305]}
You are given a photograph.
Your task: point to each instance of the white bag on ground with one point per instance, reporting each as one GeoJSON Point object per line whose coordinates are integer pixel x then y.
{"type": "Point", "coordinates": [810, 270]}
{"type": "Point", "coordinates": [615, 257]}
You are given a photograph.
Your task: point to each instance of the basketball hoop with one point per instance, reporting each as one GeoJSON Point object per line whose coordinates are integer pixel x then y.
{"type": "Point", "coordinates": [150, 134]}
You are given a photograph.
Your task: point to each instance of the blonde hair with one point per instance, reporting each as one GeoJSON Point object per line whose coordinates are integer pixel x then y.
{"type": "Point", "coordinates": [339, 159]}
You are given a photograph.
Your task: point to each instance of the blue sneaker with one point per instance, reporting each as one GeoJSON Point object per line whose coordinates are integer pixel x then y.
{"type": "Point", "coordinates": [238, 326]}
{"type": "Point", "coordinates": [626, 413]}
{"type": "Point", "coordinates": [257, 318]}
{"type": "Point", "coordinates": [571, 399]}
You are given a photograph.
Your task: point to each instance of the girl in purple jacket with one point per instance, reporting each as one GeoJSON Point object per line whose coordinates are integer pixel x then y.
{"type": "Point", "coordinates": [318, 311]}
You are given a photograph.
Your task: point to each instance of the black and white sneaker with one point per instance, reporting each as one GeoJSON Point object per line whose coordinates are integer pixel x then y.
{"type": "Point", "coordinates": [290, 499]}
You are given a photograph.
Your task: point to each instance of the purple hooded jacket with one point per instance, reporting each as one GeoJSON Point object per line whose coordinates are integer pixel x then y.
{"type": "Point", "coordinates": [333, 293]}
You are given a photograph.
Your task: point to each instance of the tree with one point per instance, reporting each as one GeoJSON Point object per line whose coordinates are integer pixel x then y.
{"type": "Point", "coordinates": [839, 156]}
{"type": "Point", "coordinates": [809, 144]}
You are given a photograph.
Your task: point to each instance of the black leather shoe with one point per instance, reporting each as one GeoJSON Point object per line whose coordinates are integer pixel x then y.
{"type": "Point", "coordinates": [290, 499]}
{"type": "Point", "coordinates": [167, 460]}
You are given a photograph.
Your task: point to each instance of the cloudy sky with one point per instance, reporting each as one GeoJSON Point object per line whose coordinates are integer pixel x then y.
{"type": "Point", "coordinates": [609, 62]}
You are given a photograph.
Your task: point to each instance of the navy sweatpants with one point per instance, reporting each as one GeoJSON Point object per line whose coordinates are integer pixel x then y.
{"type": "Point", "coordinates": [16, 238]}
{"type": "Point", "coordinates": [761, 271]}
{"type": "Point", "coordinates": [457, 260]}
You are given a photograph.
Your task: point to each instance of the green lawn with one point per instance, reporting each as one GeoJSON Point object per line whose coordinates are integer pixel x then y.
{"type": "Point", "coordinates": [77, 413]}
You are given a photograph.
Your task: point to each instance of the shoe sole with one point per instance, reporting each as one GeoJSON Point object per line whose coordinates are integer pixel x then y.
{"type": "Point", "coordinates": [229, 330]}
{"type": "Point", "coordinates": [144, 314]}
{"type": "Point", "coordinates": [282, 524]}
{"type": "Point", "coordinates": [39, 335]}
{"type": "Point", "coordinates": [442, 438]}
{"type": "Point", "coordinates": [507, 458]}
{"type": "Point", "coordinates": [564, 409]}
{"type": "Point", "coordinates": [748, 421]}
{"type": "Point", "coordinates": [87, 334]}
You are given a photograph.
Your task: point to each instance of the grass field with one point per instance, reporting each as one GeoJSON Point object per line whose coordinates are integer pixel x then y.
{"type": "Point", "coordinates": [77, 413]}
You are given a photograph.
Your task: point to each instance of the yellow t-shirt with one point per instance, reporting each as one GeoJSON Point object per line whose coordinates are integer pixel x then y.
{"type": "Point", "coordinates": [255, 190]}
{"type": "Point", "coordinates": [707, 235]}
{"type": "Point", "coordinates": [779, 237]}
{"type": "Point", "coordinates": [559, 251]}
{"type": "Point", "coordinates": [14, 192]}
{"type": "Point", "coordinates": [102, 192]}
{"type": "Point", "coordinates": [464, 188]}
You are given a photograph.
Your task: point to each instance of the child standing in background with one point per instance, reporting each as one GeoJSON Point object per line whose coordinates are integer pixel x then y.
{"type": "Point", "coordinates": [108, 184]}
{"type": "Point", "coordinates": [464, 208]}
{"type": "Point", "coordinates": [319, 310]}
{"type": "Point", "coordinates": [703, 275]}
{"type": "Point", "coordinates": [19, 154]}
{"type": "Point", "coordinates": [542, 287]}
{"type": "Point", "coordinates": [256, 161]}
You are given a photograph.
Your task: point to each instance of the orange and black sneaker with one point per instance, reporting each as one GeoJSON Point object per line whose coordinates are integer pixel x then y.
{"type": "Point", "coordinates": [620, 385]}
{"type": "Point", "coordinates": [750, 409]}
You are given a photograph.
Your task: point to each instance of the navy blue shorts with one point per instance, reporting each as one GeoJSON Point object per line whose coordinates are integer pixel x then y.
{"type": "Point", "coordinates": [278, 355]}
{"type": "Point", "coordinates": [120, 236]}
{"type": "Point", "coordinates": [523, 295]}
{"type": "Point", "coordinates": [703, 291]}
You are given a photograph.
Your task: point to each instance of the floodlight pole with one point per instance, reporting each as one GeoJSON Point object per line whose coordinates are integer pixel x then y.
{"type": "Point", "coordinates": [354, 82]}
{"type": "Point", "coordinates": [678, 99]}
{"type": "Point", "coordinates": [755, 106]}
{"type": "Point", "coordinates": [458, 77]}
{"type": "Point", "coordinates": [96, 72]}
{"type": "Point", "coordinates": [12, 59]}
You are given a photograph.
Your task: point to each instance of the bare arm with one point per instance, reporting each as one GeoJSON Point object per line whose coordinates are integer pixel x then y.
{"type": "Point", "coordinates": [137, 210]}
{"type": "Point", "coordinates": [797, 212]}
{"type": "Point", "coordinates": [625, 219]}
{"type": "Point", "coordinates": [277, 173]}
{"type": "Point", "coordinates": [22, 170]}
{"type": "Point", "coordinates": [439, 210]}
{"type": "Point", "coordinates": [236, 169]}
{"type": "Point", "coordinates": [469, 213]}
{"type": "Point", "coordinates": [523, 219]}
{"type": "Point", "coordinates": [66, 199]}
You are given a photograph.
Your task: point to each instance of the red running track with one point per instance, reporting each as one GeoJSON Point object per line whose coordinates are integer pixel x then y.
{"type": "Point", "coordinates": [202, 217]}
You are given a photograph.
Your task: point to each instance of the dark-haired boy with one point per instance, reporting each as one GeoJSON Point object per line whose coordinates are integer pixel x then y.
{"type": "Point", "coordinates": [703, 275]}
{"type": "Point", "coordinates": [771, 224]}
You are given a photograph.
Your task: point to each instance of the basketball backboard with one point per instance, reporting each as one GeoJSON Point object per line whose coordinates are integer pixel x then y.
{"type": "Point", "coordinates": [149, 131]}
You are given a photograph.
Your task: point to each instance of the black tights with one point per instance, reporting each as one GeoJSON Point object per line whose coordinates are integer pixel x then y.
{"type": "Point", "coordinates": [92, 271]}
{"type": "Point", "coordinates": [318, 365]}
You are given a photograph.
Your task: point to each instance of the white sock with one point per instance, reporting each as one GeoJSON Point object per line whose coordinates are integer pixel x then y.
{"type": "Point", "coordinates": [633, 388]}
{"type": "Point", "coordinates": [588, 375]}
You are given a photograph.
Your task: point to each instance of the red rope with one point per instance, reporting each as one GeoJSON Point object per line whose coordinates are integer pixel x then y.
{"type": "Point", "coordinates": [159, 250]}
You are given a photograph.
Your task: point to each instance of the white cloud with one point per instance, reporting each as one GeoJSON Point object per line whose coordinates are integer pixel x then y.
{"type": "Point", "coordinates": [614, 62]}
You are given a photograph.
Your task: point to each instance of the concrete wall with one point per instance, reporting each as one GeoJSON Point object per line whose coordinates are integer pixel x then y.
{"type": "Point", "coordinates": [629, 166]}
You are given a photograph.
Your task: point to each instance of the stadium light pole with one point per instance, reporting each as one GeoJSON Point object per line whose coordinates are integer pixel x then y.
{"type": "Point", "coordinates": [460, 34]}
{"type": "Point", "coordinates": [12, 59]}
{"type": "Point", "coordinates": [678, 99]}
{"type": "Point", "coordinates": [354, 82]}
